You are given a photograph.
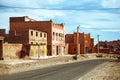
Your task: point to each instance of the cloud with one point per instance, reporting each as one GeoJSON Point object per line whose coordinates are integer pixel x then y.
{"type": "Point", "coordinates": [88, 20]}
{"type": "Point", "coordinates": [35, 14]}
{"type": "Point", "coordinates": [20, 3]}
{"type": "Point", "coordinates": [111, 3]}
{"type": "Point", "coordinates": [58, 4]}
{"type": "Point", "coordinates": [114, 30]}
{"type": "Point", "coordinates": [85, 26]}
{"type": "Point", "coordinates": [54, 1]}
{"type": "Point", "coordinates": [49, 14]}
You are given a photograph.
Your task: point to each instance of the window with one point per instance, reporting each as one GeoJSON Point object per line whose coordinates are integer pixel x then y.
{"type": "Point", "coordinates": [40, 34]}
{"type": "Point", "coordinates": [44, 35]}
{"type": "Point", "coordinates": [53, 33]}
{"type": "Point", "coordinates": [53, 37]}
{"type": "Point", "coordinates": [36, 33]}
{"type": "Point", "coordinates": [61, 35]}
{"type": "Point", "coordinates": [31, 33]}
{"type": "Point", "coordinates": [31, 42]}
{"type": "Point", "coordinates": [57, 36]}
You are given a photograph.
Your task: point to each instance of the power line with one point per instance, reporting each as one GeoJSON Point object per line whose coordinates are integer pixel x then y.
{"type": "Point", "coordinates": [60, 8]}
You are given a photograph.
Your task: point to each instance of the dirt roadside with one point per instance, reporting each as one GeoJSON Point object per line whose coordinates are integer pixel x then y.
{"type": "Point", "coordinates": [13, 66]}
{"type": "Point", "coordinates": [107, 71]}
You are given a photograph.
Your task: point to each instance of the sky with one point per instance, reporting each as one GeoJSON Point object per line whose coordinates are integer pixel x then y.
{"type": "Point", "coordinates": [97, 17]}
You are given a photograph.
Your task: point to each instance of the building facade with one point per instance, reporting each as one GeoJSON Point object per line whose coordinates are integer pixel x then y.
{"type": "Point", "coordinates": [29, 36]}
{"type": "Point", "coordinates": [2, 32]}
{"type": "Point", "coordinates": [1, 47]}
{"type": "Point", "coordinates": [55, 32]}
{"type": "Point", "coordinates": [85, 44]}
{"type": "Point", "coordinates": [35, 40]}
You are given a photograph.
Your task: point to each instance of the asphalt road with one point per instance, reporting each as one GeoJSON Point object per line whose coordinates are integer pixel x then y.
{"type": "Point", "coordinates": [70, 71]}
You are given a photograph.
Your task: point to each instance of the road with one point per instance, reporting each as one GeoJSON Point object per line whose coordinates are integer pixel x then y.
{"type": "Point", "coordinates": [70, 71]}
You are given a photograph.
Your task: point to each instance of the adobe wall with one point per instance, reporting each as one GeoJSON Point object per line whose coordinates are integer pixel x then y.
{"type": "Point", "coordinates": [69, 38]}
{"type": "Point", "coordinates": [18, 24]}
{"type": "Point", "coordinates": [2, 31]}
{"type": "Point", "coordinates": [66, 48]}
{"type": "Point", "coordinates": [1, 51]}
{"type": "Point", "coordinates": [37, 25]}
{"type": "Point", "coordinates": [11, 51]}
{"type": "Point", "coordinates": [82, 43]}
{"type": "Point", "coordinates": [37, 51]}
{"type": "Point", "coordinates": [72, 48]}
{"type": "Point", "coordinates": [1, 47]}
{"type": "Point", "coordinates": [87, 40]}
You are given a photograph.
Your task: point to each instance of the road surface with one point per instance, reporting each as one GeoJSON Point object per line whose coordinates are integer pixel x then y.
{"type": "Point", "coordinates": [70, 71]}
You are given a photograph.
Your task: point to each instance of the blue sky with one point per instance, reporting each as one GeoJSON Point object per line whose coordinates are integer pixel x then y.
{"type": "Point", "coordinates": [94, 16]}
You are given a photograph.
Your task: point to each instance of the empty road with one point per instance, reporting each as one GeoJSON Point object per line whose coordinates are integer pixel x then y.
{"type": "Point", "coordinates": [70, 71]}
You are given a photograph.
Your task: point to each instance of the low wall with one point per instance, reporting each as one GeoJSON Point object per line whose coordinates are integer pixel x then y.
{"type": "Point", "coordinates": [17, 51]}
{"type": "Point", "coordinates": [11, 51]}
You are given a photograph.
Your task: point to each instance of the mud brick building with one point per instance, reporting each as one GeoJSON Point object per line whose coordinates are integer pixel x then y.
{"type": "Point", "coordinates": [1, 48]}
{"type": "Point", "coordinates": [35, 41]}
{"type": "Point", "coordinates": [2, 31]}
{"type": "Point", "coordinates": [29, 36]}
{"type": "Point", "coordinates": [2, 37]}
{"type": "Point", "coordinates": [86, 44]}
{"type": "Point", "coordinates": [112, 47]}
{"type": "Point", "coordinates": [55, 32]}
{"type": "Point", "coordinates": [89, 43]}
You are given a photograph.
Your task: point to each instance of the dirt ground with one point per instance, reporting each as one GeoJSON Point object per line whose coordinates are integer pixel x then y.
{"type": "Point", "coordinates": [13, 66]}
{"type": "Point", "coordinates": [107, 71]}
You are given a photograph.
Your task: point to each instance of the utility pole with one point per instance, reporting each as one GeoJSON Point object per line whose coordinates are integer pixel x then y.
{"type": "Point", "coordinates": [98, 43]}
{"type": "Point", "coordinates": [77, 41]}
